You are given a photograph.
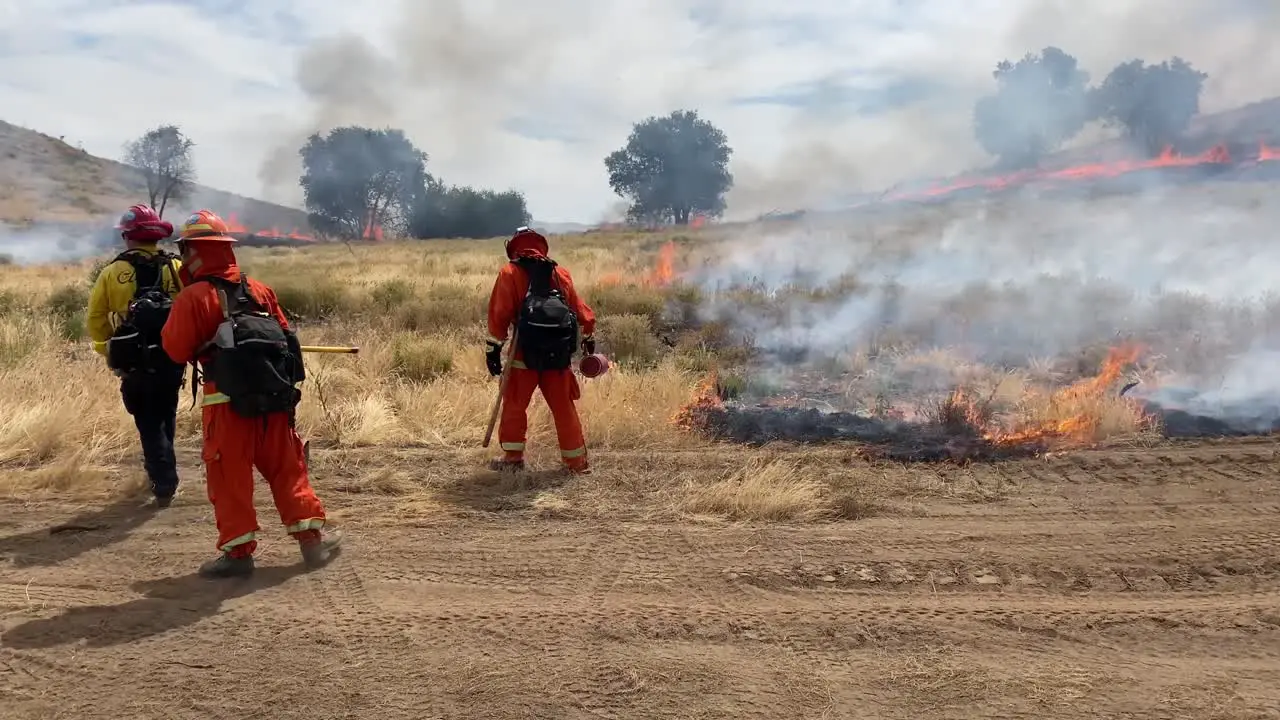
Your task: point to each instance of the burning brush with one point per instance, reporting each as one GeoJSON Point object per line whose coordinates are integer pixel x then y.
{"type": "Point", "coordinates": [960, 426]}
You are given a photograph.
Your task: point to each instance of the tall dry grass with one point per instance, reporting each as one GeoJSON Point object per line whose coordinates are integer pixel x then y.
{"type": "Point", "coordinates": [417, 311]}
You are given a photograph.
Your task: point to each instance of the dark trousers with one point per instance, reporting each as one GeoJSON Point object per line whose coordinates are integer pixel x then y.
{"type": "Point", "coordinates": [152, 400]}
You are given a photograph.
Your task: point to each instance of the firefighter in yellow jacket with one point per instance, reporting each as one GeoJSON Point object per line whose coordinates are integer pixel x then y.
{"type": "Point", "coordinates": [128, 307]}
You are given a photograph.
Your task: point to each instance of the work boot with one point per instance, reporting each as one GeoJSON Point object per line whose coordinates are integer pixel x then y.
{"type": "Point", "coordinates": [317, 553]}
{"type": "Point", "coordinates": [505, 465]}
{"type": "Point", "coordinates": [227, 566]}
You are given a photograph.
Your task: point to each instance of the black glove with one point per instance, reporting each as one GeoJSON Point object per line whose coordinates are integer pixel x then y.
{"type": "Point", "coordinates": [493, 358]}
{"type": "Point", "coordinates": [589, 345]}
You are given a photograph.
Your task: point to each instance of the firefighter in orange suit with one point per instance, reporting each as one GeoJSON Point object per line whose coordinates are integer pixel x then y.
{"type": "Point", "coordinates": [234, 444]}
{"type": "Point", "coordinates": [559, 386]}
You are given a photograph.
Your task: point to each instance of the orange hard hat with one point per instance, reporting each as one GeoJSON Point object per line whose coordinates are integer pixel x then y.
{"type": "Point", "coordinates": [593, 366]}
{"type": "Point", "coordinates": [205, 225]}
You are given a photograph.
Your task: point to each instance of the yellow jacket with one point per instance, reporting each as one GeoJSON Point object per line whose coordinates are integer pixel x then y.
{"type": "Point", "coordinates": [113, 290]}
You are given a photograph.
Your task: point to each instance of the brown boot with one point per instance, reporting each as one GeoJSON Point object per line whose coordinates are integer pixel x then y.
{"type": "Point", "coordinates": [317, 552]}
{"type": "Point", "coordinates": [227, 566]}
{"type": "Point", "coordinates": [506, 465]}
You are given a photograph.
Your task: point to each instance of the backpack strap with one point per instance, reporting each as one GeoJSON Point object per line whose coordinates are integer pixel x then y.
{"type": "Point", "coordinates": [541, 273]}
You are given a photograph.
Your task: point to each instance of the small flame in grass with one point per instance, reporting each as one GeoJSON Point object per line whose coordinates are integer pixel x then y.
{"type": "Point", "coordinates": [664, 270]}
{"type": "Point", "coordinates": [706, 399]}
{"type": "Point", "coordinates": [1075, 416]}
{"type": "Point", "coordinates": [662, 274]}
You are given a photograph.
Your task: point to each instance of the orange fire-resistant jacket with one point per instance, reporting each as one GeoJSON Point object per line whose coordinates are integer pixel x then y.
{"type": "Point", "coordinates": [508, 295]}
{"type": "Point", "coordinates": [197, 311]}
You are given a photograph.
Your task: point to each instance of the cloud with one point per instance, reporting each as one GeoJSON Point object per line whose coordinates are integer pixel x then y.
{"type": "Point", "coordinates": [818, 97]}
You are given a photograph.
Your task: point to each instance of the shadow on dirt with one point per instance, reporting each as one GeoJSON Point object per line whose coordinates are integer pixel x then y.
{"type": "Point", "coordinates": [169, 604]}
{"type": "Point", "coordinates": [90, 530]}
{"type": "Point", "coordinates": [491, 491]}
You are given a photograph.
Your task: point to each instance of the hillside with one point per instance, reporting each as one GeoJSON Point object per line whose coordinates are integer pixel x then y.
{"type": "Point", "coordinates": [45, 180]}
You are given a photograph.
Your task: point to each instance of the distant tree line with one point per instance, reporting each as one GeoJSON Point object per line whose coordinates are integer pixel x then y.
{"type": "Point", "coordinates": [674, 168]}
{"type": "Point", "coordinates": [1043, 100]}
{"type": "Point", "coordinates": [355, 178]}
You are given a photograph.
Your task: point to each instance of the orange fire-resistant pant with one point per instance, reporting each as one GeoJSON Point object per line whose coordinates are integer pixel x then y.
{"type": "Point", "coordinates": [233, 446]}
{"type": "Point", "coordinates": [560, 390]}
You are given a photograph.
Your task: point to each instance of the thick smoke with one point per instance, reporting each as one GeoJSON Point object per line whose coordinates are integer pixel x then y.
{"type": "Point", "coordinates": [1019, 282]}
{"type": "Point", "coordinates": [494, 92]}
{"type": "Point", "coordinates": [908, 115]}
{"type": "Point", "coordinates": [53, 242]}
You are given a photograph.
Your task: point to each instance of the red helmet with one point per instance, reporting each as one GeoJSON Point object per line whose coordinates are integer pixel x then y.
{"type": "Point", "coordinates": [141, 223]}
{"type": "Point", "coordinates": [526, 240]}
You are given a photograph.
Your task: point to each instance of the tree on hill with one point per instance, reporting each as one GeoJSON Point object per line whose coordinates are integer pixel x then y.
{"type": "Point", "coordinates": [163, 154]}
{"type": "Point", "coordinates": [454, 212]}
{"type": "Point", "coordinates": [1041, 101]}
{"type": "Point", "coordinates": [1154, 104]}
{"type": "Point", "coordinates": [355, 178]}
{"type": "Point", "coordinates": [672, 168]}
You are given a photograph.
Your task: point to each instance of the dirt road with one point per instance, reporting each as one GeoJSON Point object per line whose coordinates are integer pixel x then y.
{"type": "Point", "coordinates": [1117, 584]}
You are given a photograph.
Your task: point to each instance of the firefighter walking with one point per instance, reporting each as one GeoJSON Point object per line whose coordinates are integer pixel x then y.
{"type": "Point", "coordinates": [128, 306]}
{"type": "Point", "coordinates": [251, 365]}
{"type": "Point", "coordinates": [536, 296]}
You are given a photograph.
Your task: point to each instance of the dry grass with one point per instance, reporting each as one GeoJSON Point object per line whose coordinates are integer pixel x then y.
{"type": "Point", "coordinates": [765, 489]}
{"type": "Point", "coordinates": [416, 309]}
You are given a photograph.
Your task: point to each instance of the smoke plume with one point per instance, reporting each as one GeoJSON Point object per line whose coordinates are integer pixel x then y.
{"type": "Point", "coordinates": [818, 101]}
{"type": "Point", "coordinates": [42, 243]}
{"type": "Point", "coordinates": [1023, 283]}
{"type": "Point", "coordinates": [909, 114]}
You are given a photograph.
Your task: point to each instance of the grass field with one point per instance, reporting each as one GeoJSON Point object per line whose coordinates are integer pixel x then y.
{"type": "Point", "coordinates": [1118, 575]}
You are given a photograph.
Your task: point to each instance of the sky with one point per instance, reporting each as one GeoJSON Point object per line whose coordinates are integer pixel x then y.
{"type": "Point", "coordinates": [817, 97]}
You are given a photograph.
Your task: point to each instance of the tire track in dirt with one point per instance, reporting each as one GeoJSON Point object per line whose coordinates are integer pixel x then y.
{"type": "Point", "coordinates": [1110, 583]}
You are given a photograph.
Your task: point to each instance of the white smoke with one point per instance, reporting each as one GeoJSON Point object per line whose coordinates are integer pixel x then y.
{"type": "Point", "coordinates": [1188, 271]}
{"type": "Point", "coordinates": [50, 243]}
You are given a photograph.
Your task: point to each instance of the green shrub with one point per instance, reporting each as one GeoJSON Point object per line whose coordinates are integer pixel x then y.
{"type": "Point", "coordinates": [419, 359]}
{"type": "Point", "coordinates": [392, 294]}
{"type": "Point", "coordinates": [629, 339]}
{"type": "Point", "coordinates": [68, 300]}
{"type": "Point", "coordinates": [443, 307]}
{"type": "Point", "coordinates": [627, 300]}
{"type": "Point", "coordinates": [318, 301]}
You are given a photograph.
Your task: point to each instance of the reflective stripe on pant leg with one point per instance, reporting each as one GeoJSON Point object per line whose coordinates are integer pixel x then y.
{"type": "Point", "coordinates": [228, 461]}
{"type": "Point", "coordinates": [512, 447]}
{"type": "Point", "coordinates": [236, 541]}
{"type": "Point", "coordinates": [308, 524]}
{"type": "Point", "coordinates": [559, 388]}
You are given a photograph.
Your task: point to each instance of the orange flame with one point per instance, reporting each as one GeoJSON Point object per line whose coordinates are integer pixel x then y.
{"type": "Point", "coordinates": [664, 271]}
{"type": "Point", "coordinates": [662, 274]}
{"type": "Point", "coordinates": [1217, 155]}
{"type": "Point", "coordinates": [706, 398]}
{"type": "Point", "coordinates": [372, 231]}
{"type": "Point", "coordinates": [1082, 418]}
{"type": "Point", "coordinates": [1073, 419]}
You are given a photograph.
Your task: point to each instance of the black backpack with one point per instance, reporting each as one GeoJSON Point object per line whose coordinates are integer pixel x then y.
{"type": "Point", "coordinates": [135, 344]}
{"type": "Point", "coordinates": [254, 360]}
{"type": "Point", "coordinates": [547, 327]}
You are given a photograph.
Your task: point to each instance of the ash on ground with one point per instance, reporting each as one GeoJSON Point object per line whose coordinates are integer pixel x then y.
{"type": "Point", "coordinates": [882, 437]}
{"type": "Point", "coordinates": [925, 441]}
